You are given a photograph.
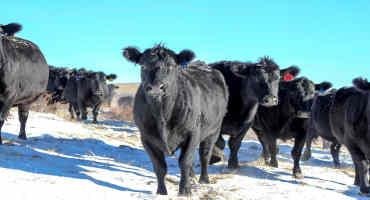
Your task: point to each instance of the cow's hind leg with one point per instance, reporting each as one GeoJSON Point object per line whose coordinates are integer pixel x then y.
{"type": "Point", "coordinates": [265, 148]}
{"type": "Point", "coordinates": [23, 111]}
{"type": "Point", "coordinates": [307, 153]}
{"type": "Point", "coordinates": [362, 168]}
{"type": "Point", "coordinates": [159, 166]}
{"type": "Point", "coordinates": [1, 125]}
{"type": "Point", "coordinates": [296, 154]}
{"type": "Point", "coordinates": [205, 152]}
{"type": "Point", "coordinates": [334, 150]}
{"type": "Point", "coordinates": [218, 150]}
{"type": "Point", "coordinates": [70, 109]}
{"type": "Point", "coordinates": [95, 112]}
{"type": "Point", "coordinates": [234, 145]}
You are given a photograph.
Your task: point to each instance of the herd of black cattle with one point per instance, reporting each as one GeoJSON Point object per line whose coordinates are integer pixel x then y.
{"type": "Point", "coordinates": [181, 104]}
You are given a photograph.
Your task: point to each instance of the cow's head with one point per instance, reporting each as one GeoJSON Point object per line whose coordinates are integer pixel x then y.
{"type": "Point", "coordinates": [261, 80]}
{"type": "Point", "coordinates": [298, 94]}
{"type": "Point", "coordinates": [95, 83]}
{"type": "Point", "coordinates": [159, 69]}
{"type": "Point", "coordinates": [58, 78]}
{"type": "Point", "coordinates": [322, 87]}
{"type": "Point", "coordinates": [361, 84]}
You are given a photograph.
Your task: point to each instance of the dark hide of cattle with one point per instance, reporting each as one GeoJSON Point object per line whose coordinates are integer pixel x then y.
{"type": "Point", "coordinates": [349, 118]}
{"type": "Point", "coordinates": [177, 108]}
{"type": "Point", "coordinates": [319, 125]}
{"type": "Point", "coordinates": [286, 120]}
{"type": "Point", "coordinates": [23, 77]}
{"type": "Point", "coordinates": [250, 85]}
{"type": "Point", "coordinates": [86, 89]}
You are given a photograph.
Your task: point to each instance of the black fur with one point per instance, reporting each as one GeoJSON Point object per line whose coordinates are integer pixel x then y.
{"type": "Point", "coordinates": [177, 108]}
{"type": "Point", "coordinates": [23, 77]}
{"type": "Point", "coordinates": [250, 85]}
{"type": "Point", "coordinates": [349, 118]}
{"type": "Point", "coordinates": [285, 121]}
{"type": "Point", "coordinates": [319, 125]}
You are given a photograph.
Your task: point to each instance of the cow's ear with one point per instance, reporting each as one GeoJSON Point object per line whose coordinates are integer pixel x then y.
{"type": "Point", "coordinates": [361, 83]}
{"type": "Point", "coordinates": [240, 70]}
{"type": "Point", "coordinates": [184, 57]}
{"type": "Point", "coordinates": [323, 86]}
{"type": "Point", "coordinates": [289, 73]}
{"type": "Point", "coordinates": [111, 77]}
{"type": "Point", "coordinates": [132, 54]}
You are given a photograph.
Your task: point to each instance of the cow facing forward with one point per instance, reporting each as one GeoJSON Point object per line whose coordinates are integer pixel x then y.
{"type": "Point", "coordinates": [177, 108]}
{"type": "Point", "coordinates": [250, 85]}
{"type": "Point", "coordinates": [23, 75]}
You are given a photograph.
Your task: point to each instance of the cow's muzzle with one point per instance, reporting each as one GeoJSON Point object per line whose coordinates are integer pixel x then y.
{"type": "Point", "coordinates": [270, 100]}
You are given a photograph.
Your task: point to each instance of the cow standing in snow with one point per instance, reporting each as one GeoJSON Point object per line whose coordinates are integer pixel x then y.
{"type": "Point", "coordinates": [177, 108]}
{"type": "Point", "coordinates": [23, 75]}
{"type": "Point", "coordinates": [349, 118]}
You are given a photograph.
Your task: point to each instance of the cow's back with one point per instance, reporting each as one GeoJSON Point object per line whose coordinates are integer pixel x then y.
{"type": "Point", "coordinates": [24, 73]}
{"type": "Point", "coordinates": [347, 114]}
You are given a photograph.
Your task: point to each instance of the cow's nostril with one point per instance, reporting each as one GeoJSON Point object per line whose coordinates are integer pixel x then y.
{"type": "Point", "coordinates": [161, 87]}
{"type": "Point", "coordinates": [148, 88]}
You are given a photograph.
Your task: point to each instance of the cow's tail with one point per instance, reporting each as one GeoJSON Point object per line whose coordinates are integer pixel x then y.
{"type": "Point", "coordinates": [11, 29]}
{"type": "Point", "coordinates": [361, 83]}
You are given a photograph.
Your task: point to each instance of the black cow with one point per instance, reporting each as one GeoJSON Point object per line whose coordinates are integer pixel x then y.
{"type": "Point", "coordinates": [249, 85]}
{"type": "Point", "coordinates": [86, 89]}
{"type": "Point", "coordinates": [319, 126]}
{"type": "Point", "coordinates": [177, 108]}
{"type": "Point", "coordinates": [23, 75]}
{"type": "Point", "coordinates": [58, 78]}
{"type": "Point", "coordinates": [349, 117]}
{"type": "Point", "coordinates": [287, 120]}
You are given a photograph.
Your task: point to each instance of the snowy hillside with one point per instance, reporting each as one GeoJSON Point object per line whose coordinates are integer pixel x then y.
{"type": "Point", "coordinates": [72, 160]}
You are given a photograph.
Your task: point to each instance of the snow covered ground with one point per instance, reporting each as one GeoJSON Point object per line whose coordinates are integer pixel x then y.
{"type": "Point", "coordinates": [74, 160]}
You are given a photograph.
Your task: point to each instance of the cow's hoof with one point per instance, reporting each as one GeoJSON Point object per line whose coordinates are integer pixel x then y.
{"type": "Point", "coordinates": [274, 164]}
{"type": "Point", "coordinates": [233, 166]}
{"type": "Point", "coordinates": [306, 156]}
{"type": "Point", "coordinates": [22, 137]}
{"type": "Point", "coordinates": [336, 165]}
{"type": "Point", "coordinates": [298, 175]}
{"type": "Point", "coordinates": [357, 182]}
{"type": "Point", "coordinates": [204, 180]}
{"type": "Point", "coordinates": [162, 191]}
{"type": "Point", "coordinates": [186, 192]}
{"type": "Point", "coordinates": [365, 190]}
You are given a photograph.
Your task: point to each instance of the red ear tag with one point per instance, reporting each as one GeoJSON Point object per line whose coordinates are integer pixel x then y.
{"type": "Point", "coordinates": [288, 77]}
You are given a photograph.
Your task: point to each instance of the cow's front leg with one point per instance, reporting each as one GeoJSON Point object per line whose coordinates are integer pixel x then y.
{"type": "Point", "coordinates": [234, 145]}
{"type": "Point", "coordinates": [186, 163]}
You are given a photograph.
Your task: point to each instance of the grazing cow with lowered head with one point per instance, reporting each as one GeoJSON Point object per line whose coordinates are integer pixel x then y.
{"type": "Point", "coordinates": [177, 108]}
{"type": "Point", "coordinates": [287, 120]}
{"type": "Point", "coordinates": [319, 126]}
{"type": "Point", "coordinates": [86, 89]}
{"type": "Point", "coordinates": [23, 75]}
{"type": "Point", "coordinates": [249, 85]}
{"type": "Point", "coordinates": [349, 117]}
